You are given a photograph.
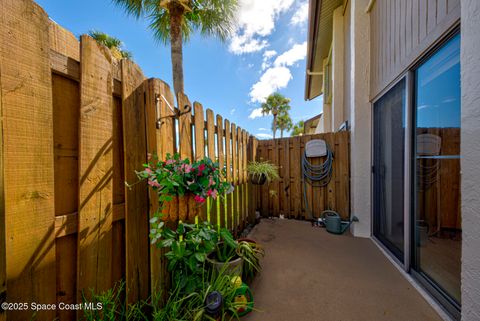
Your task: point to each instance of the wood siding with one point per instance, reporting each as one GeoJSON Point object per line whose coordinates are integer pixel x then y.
{"type": "Point", "coordinates": [401, 31]}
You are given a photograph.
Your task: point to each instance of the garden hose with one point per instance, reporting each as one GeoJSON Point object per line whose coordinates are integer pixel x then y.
{"type": "Point", "coordinates": [243, 300]}
{"type": "Point", "coordinates": [316, 175]}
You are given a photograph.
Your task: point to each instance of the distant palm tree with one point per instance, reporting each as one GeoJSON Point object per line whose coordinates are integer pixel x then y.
{"type": "Point", "coordinates": [275, 104]}
{"type": "Point", "coordinates": [298, 128]}
{"type": "Point", "coordinates": [284, 122]}
{"type": "Point", "coordinates": [112, 43]}
{"type": "Point", "coordinates": [175, 20]}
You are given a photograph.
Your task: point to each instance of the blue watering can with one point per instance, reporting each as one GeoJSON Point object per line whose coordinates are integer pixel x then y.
{"type": "Point", "coordinates": [334, 224]}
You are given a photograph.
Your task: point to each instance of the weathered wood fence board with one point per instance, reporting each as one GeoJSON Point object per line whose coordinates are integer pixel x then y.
{"type": "Point", "coordinates": [28, 154]}
{"type": "Point", "coordinates": [136, 198]}
{"type": "Point", "coordinates": [3, 263]}
{"type": "Point", "coordinates": [285, 197]}
{"type": "Point", "coordinates": [95, 167]}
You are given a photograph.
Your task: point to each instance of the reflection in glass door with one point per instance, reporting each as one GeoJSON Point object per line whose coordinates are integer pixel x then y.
{"type": "Point", "coordinates": [437, 218]}
{"type": "Point", "coordinates": [388, 170]}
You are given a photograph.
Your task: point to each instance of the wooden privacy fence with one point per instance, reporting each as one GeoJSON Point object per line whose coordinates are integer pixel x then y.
{"type": "Point", "coordinates": [285, 196]}
{"type": "Point", "coordinates": [76, 124]}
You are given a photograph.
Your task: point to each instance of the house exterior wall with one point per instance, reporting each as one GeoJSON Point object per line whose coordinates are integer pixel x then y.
{"type": "Point", "coordinates": [360, 116]}
{"type": "Point", "coordinates": [347, 66]}
{"type": "Point", "coordinates": [470, 149]}
{"type": "Point", "coordinates": [401, 31]}
{"type": "Point", "coordinates": [320, 129]}
{"type": "Point", "coordinates": [338, 62]}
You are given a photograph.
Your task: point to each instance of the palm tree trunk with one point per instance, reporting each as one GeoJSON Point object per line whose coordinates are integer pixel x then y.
{"type": "Point", "coordinates": [176, 46]}
{"type": "Point", "coordinates": [281, 133]}
{"type": "Point", "coordinates": [274, 125]}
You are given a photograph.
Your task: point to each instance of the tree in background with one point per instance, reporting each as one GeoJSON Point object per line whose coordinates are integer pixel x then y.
{"type": "Point", "coordinates": [275, 104]}
{"type": "Point", "coordinates": [284, 122]}
{"type": "Point", "coordinates": [298, 128]}
{"type": "Point", "coordinates": [175, 20]}
{"type": "Point", "coordinates": [112, 43]}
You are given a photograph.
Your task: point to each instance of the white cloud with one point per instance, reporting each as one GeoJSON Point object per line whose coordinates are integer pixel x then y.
{"type": "Point", "coordinates": [273, 79]}
{"type": "Point", "coordinates": [232, 111]}
{"type": "Point", "coordinates": [255, 21]}
{"type": "Point", "coordinates": [242, 44]}
{"type": "Point", "coordinates": [264, 135]}
{"type": "Point", "coordinates": [301, 15]}
{"type": "Point", "coordinates": [263, 129]}
{"type": "Point", "coordinates": [257, 112]}
{"type": "Point", "coordinates": [267, 56]}
{"type": "Point", "coordinates": [296, 53]}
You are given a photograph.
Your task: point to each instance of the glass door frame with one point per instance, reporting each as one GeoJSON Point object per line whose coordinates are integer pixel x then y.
{"type": "Point", "coordinates": [446, 302]}
{"type": "Point", "coordinates": [383, 241]}
{"type": "Point", "coordinates": [443, 299]}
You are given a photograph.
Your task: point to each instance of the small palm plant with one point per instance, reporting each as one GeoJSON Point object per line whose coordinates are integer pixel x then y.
{"type": "Point", "coordinates": [175, 21]}
{"type": "Point", "coordinates": [114, 44]}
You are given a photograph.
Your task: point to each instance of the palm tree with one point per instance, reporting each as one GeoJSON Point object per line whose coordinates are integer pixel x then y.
{"type": "Point", "coordinates": [298, 128]}
{"type": "Point", "coordinates": [275, 104]}
{"type": "Point", "coordinates": [175, 20]}
{"type": "Point", "coordinates": [284, 122]}
{"type": "Point", "coordinates": [112, 43]}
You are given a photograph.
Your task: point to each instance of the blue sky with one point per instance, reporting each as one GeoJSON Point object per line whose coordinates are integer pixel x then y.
{"type": "Point", "coordinates": [266, 53]}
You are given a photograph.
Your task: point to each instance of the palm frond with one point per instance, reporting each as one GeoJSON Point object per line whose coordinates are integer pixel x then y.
{"type": "Point", "coordinates": [136, 8]}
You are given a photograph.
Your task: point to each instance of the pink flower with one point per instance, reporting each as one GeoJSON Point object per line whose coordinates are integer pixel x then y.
{"type": "Point", "coordinates": [212, 193]}
{"type": "Point", "coordinates": [187, 168]}
{"type": "Point", "coordinates": [148, 170]}
{"type": "Point", "coordinates": [201, 168]}
{"type": "Point", "coordinates": [153, 183]}
{"type": "Point", "coordinates": [170, 162]}
{"type": "Point", "coordinates": [199, 199]}
{"type": "Point", "coordinates": [211, 182]}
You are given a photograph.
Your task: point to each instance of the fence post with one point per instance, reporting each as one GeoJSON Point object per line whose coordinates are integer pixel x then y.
{"type": "Point", "coordinates": [252, 189]}
{"type": "Point", "coordinates": [221, 161]}
{"type": "Point", "coordinates": [199, 122]}
{"type": "Point", "coordinates": [228, 167]}
{"type": "Point", "coordinates": [186, 207]}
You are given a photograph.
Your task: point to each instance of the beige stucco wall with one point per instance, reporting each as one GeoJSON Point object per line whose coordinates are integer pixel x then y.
{"type": "Point", "coordinates": [320, 129]}
{"type": "Point", "coordinates": [338, 62]}
{"type": "Point", "coordinates": [470, 148]}
{"type": "Point", "coordinates": [360, 111]}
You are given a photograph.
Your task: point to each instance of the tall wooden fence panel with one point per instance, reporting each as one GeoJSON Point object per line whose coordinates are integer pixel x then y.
{"type": "Point", "coordinates": [77, 123]}
{"type": "Point", "coordinates": [287, 195]}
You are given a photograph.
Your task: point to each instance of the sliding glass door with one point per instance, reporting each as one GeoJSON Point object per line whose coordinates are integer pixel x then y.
{"type": "Point", "coordinates": [388, 169]}
{"type": "Point", "coordinates": [437, 217]}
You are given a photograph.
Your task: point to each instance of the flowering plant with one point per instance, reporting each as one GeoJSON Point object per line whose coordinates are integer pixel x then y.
{"type": "Point", "coordinates": [178, 177]}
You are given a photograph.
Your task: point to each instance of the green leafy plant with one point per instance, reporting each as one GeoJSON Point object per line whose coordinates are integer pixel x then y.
{"type": "Point", "coordinates": [183, 305]}
{"type": "Point", "coordinates": [226, 248]}
{"type": "Point", "coordinates": [257, 169]}
{"type": "Point", "coordinates": [251, 253]}
{"type": "Point", "coordinates": [188, 247]}
{"type": "Point", "coordinates": [110, 305]}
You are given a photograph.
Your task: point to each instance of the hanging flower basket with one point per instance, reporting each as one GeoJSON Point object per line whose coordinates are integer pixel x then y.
{"type": "Point", "coordinates": [183, 187]}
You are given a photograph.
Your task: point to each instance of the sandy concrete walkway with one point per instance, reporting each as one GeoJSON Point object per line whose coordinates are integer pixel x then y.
{"type": "Point", "coordinates": [311, 275]}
